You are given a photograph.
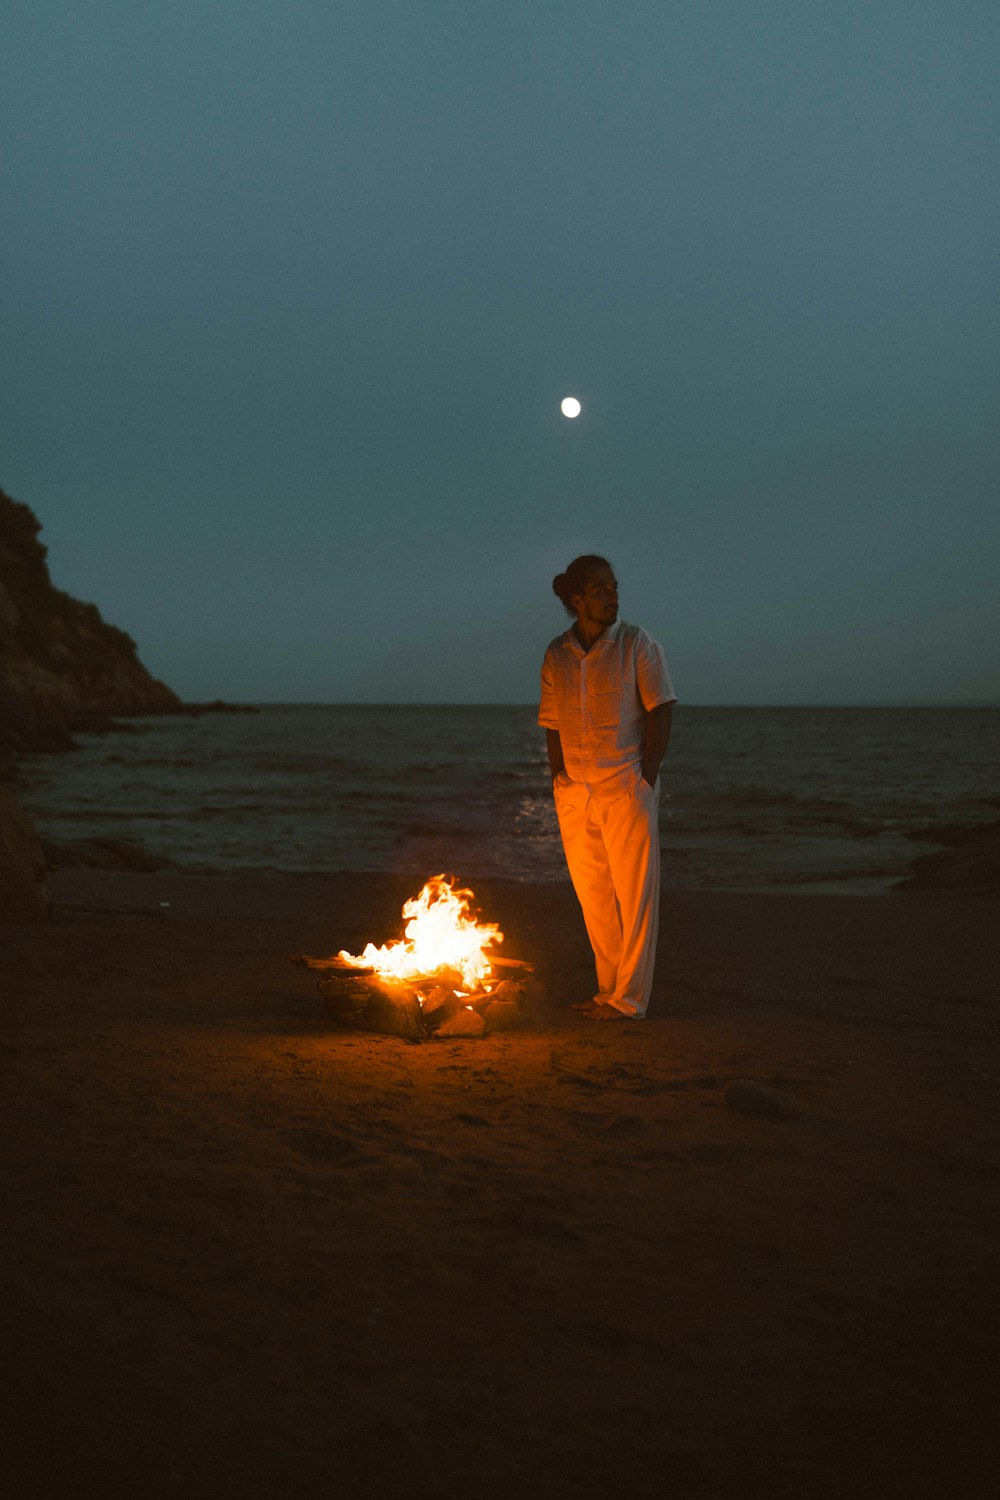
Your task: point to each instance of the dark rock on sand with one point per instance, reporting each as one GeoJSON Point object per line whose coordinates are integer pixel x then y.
{"type": "Point", "coordinates": [62, 668]}
{"type": "Point", "coordinates": [970, 861]}
{"type": "Point", "coordinates": [23, 895]}
{"type": "Point", "coordinates": [750, 1098]}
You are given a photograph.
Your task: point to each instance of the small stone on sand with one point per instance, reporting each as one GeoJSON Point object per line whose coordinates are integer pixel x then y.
{"type": "Point", "coordinates": [464, 1022]}
{"type": "Point", "coordinates": [751, 1098]}
{"type": "Point", "coordinates": [501, 1014]}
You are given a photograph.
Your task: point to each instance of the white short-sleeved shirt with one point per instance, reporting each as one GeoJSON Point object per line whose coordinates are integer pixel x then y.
{"type": "Point", "coordinates": [598, 699]}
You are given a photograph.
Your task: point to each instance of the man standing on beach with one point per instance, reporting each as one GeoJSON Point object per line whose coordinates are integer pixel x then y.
{"type": "Point", "coordinates": [606, 706]}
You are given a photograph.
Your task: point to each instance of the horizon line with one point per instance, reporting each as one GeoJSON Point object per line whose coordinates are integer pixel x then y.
{"type": "Point", "coordinates": [532, 703]}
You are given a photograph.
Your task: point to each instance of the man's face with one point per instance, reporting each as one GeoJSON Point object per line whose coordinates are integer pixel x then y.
{"type": "Point", "coordinates": [598, 604]}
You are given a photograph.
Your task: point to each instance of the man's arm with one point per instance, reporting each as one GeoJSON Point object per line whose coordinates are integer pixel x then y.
{"type": "Point", "coordinates": [555, 749]}
{"type": "Point", "coordinates": [657, 740]}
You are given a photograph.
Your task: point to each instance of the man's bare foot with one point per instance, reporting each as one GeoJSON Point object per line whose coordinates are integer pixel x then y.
{"type": "Point", "coordinates": [586, 1006]}
{"type": "Point", "coordinates": [604, 1013]}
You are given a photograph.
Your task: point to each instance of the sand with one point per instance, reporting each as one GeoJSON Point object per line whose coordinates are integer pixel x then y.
{"type": "Point", "coordinates": [246, 1254]}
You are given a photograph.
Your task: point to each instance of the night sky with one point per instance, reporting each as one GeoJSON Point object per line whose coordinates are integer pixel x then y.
{"type": "Point", "coordinates": [291, 294]}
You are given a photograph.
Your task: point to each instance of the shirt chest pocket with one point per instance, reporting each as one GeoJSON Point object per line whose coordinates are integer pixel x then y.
{"type": "Point", "coordinates": [610, 688]}
{"type": "Point", "coordinates": [605, 707]}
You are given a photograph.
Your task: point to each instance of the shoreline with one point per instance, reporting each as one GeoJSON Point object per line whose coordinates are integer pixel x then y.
{"type": "Point", "coordinates": [93, 887]}
{"type": "Point", "coordinates": [466, 788]}
{"type": "Point", "coordinates": [64, 879]}
{"type": "Point", "coordinates": [246, 1252]}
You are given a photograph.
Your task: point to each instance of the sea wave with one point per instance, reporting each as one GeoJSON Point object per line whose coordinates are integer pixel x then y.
{"type": "Point", "coordinates": [751, 797]}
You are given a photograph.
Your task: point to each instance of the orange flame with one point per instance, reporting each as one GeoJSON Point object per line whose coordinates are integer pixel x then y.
{"type": "Point", "coordinates": [440, 934]}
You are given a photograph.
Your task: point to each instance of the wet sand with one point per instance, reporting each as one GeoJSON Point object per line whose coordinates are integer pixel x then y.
{"type": "Point", "coordinates": [247, 1254]}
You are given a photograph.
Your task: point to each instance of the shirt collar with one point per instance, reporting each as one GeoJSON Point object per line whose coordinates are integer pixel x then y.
{"type": "Point", "coordinates": [611, 634]}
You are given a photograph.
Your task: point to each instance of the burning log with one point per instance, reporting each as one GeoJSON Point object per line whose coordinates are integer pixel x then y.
{"type": "Point", "coordinates": [367, 1003]}
{"type": "Point", "coordinates": [335, 965]}
{"type": "Point", "coordinates": [438, 981]}
{"type": "Point", "coordinates": [338, 964]}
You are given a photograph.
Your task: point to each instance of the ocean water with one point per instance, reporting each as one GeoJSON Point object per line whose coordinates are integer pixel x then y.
{"type": "Point", "coordinates": [764, 798]}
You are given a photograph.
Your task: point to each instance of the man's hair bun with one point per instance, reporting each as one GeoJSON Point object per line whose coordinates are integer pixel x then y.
{"type": "Point", "coordinates": [576, 578]}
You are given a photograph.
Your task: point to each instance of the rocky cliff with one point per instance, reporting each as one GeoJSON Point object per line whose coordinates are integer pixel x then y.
{"type": "Point", "coordinates": [61, 667]}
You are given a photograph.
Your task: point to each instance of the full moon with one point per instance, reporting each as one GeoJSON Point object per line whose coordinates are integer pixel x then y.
{"type": "Point", "coordinates": [570, 406]}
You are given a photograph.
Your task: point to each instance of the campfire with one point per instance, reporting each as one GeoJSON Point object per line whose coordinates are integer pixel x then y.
{"type": "Point", "coordinates": [442, 978]}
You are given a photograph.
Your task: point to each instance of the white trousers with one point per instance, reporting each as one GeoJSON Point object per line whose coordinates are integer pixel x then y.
{"type": "Point", "coordinates": [611, 837]}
